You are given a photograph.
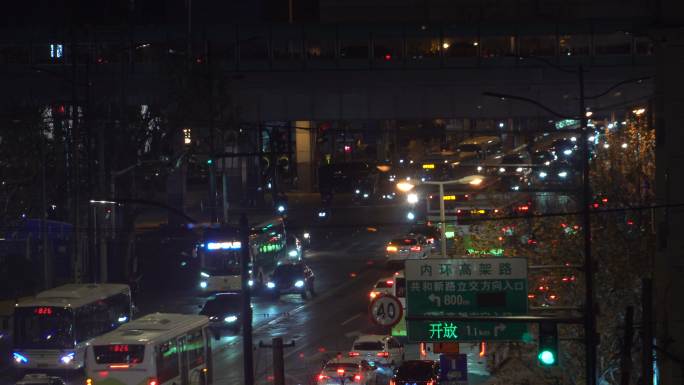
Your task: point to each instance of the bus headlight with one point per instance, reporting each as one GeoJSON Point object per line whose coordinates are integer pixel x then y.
{"type": "Point", "coordinates": [230, 319]}
{"type": "Point", "coordinates": [19, 358]}
{"type": "Point", "coordinates": [203, 284]}
{"type": "Point", "coordinates": [205, 275]}
{"type": "Point", "coordinates": [299, 283]}
{"type": "Point", "coordinates": [67, 358]}
{"type": "Point", "coordinates": [270, 285]}
{"type": "Point", "coordinates": [292, 253]}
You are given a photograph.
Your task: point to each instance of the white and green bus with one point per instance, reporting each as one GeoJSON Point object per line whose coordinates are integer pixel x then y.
{"type": "Point", "coordinates": [220, 249]}
{"type": "Point", "coordinates": [52, 329]}
{"type": "Point", "coordinates": [157, 349]}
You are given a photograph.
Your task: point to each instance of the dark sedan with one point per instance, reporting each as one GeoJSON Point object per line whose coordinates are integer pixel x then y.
{"type": "Point", "coordinates": [295, 278]}
{"type": "Point", "coordinates": [223, 311]}
{"type": "Point", "coordinates": [416, 372]}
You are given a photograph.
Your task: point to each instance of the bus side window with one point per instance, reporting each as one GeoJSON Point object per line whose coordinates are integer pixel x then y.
{"type": "Point", "coordinates": [195, 348]}
{"type": "Point", "coordinates": [167, 361]}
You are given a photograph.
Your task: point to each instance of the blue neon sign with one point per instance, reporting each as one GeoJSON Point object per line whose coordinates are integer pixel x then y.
{"type": "Point", "coordinates": [224, 245]}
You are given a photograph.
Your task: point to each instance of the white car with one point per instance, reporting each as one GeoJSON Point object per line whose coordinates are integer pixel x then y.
{"type": "Point", "coordinates": [411, 246]}
{"type": "Point", "coordinates": [347, 370]}
{"type": "Point", "coordinates": [378, 350]}
{"type": "Point", "coordinates": [383, 286]}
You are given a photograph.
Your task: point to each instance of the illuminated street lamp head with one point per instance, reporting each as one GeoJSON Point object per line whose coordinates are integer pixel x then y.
{"type": "Point", "coordinates": [405, 186]}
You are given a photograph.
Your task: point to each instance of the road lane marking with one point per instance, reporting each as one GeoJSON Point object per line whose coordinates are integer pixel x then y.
{"type": "Point", "coordinates": [350, 319]}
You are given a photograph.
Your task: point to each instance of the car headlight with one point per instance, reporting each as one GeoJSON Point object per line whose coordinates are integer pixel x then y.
{"type": "Point", "coordinates": [412, 198]}
{"type": "Point", "coordinates": [307, 235]}
{"type": "Point", "coordinates": [281, 209]}
{"type": "Point", "coordinates": [322, 214]}
{"type": "Point", "coordinates": [542, 174]}
{"type": "Point", "coordinates": [567, 152]}
{"type": "Point", "coordinates": [292, 253]}
{"type": "Point", "coordinates": [501, 169]}
{"type": "Point", "coordinates": [563, 174]}
{"type": "Point", "coordinates": [270, 285]}
{"type": "Point", "coordinates": [410, 216]}
{"type": "Point", "coordinates": [67, 358]}
{"type": "Point", "coordinates": [357, 191]}
{"type": "Point", "coordinates": [250, 283]}
{"type": "Point", "coordinates": [19, 358]}
{"type": "Point", "coordinates": [519, 169]}
{"type": "Point", "coordinates": [230, 319]}
{"type": "Point", "coordinates": [365, 195]}
{"type": "Point", "coordinates": [299, 283]}
{"type": "Point", "coordinates": [203, 284]}
{"type": "Point", "coordinates": [205, 275]}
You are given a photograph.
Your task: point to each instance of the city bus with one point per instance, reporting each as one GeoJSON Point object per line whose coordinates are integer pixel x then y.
{"type": "Point", "coordinates": [156, 349]}
{"type": "Point", "coordinates": [52, 329]}
{"type": "Point", "coordinates": [219, 254]}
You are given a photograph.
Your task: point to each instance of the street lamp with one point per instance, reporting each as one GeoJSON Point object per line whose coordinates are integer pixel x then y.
{"type": "Point", "coordinates": [583, 115]}
{"type": "Point", "coordinates": [405, 186]}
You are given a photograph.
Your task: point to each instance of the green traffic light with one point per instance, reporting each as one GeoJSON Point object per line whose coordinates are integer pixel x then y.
{"type": "Point", "coordinates": [210, 161]}
{"type": "Point", "coordinates": [547, 357]}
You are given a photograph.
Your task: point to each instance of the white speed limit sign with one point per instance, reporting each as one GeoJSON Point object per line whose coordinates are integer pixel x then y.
{"type": "Point", "coordinates": [385, 310]}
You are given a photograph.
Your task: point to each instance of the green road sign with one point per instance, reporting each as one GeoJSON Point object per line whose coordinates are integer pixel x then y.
{"type": "Point", "coordinates": [466, 287]}
{"type": "Point", "coordinates": [429, 331]}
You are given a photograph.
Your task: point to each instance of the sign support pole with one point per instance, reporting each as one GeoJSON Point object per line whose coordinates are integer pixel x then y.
{"type": "Point", "coordinates": [442, 218]}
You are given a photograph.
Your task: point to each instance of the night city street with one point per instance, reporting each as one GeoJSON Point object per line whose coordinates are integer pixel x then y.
{"type": "Point", "coordinates": [325, 192]}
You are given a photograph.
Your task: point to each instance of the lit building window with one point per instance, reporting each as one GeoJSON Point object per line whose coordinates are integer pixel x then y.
{"type": "Point", "coordinates": [187, 136]}
{"type": "Point", "coordinates": [56, 51]}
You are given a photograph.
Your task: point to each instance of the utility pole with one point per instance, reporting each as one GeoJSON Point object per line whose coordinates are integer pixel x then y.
{"type": "Point", "coordinates": [76, 177]}
{"type": "Point", "coordinates": [278, 358]}
{"type": "Point", "coordinates": [589, 318]}
{"type": "Point", "coordinates": [47, 262]}
{"type": "Point", "coordinates": [646, 332]}
{"type": "Point", "coordinates": [247, 345]}
{"type": "Point", "coordinates": [626, 353]}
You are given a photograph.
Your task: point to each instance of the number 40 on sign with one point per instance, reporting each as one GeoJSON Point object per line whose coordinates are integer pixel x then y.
{"type": "Point", "coordinates": [386, 310]}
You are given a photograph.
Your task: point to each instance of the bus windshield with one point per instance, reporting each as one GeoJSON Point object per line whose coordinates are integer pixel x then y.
{"type": "Point", "coordinates": [222, 262]}
{"type": "Point", "coordinates": [43, 327]}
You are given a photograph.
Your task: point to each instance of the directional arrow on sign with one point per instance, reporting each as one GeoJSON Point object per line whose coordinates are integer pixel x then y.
{"type": "Point", "coordinates": [435, 299]}
{"type": "Point", "coordinates": [499, 328]}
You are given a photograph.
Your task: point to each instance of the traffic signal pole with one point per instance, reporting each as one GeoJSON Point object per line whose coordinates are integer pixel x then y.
{"type": "Point", "coordinates": [246, 313]}
{"type": "Point", "coordinates": [589, 317]}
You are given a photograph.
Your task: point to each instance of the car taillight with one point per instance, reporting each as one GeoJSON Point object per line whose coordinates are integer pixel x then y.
{"type": "Point", "coordinates": [383, 354]}
{"type": "Point", "coordinates": [415, 248]}
{"type": "Point", "coordinates": [340, 371]}
{"type": "Point", "coordinates": [357, 377]}
{"type": "Point", "coordinates": [391, 249]}
{"type": "Point", "coordinates": [431, 382]}
{"type": "Point", "coordinates": [431, 240]}
{"type": "Point", "coordinates": [322, 377]}
{"type": "Point", "coordinates": [152, 381]}
{"type": "Point", "coordinates": [389, 283]}
{"type": "Point", "coordinates": [354, 354]}
{"type": "Point", "coordinates": [392, 382]}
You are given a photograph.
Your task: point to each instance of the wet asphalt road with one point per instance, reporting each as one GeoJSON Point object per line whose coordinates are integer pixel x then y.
{"type": "Point", "coordinates": [347, 257]}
